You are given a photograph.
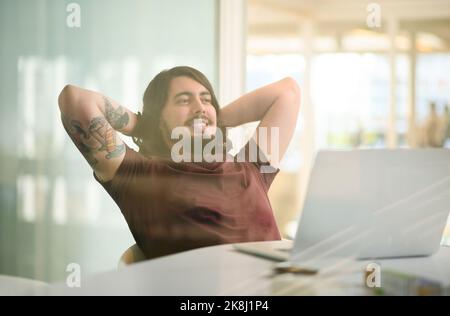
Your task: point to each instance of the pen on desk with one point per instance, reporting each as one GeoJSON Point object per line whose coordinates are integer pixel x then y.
{"type": "Point", "coordinates": [289, 267]}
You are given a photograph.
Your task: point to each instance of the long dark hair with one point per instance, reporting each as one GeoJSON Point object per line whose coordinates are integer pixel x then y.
{"type": "Point", "coordinates": [147, 134]}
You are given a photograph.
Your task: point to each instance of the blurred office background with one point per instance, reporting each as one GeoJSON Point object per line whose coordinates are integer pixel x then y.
{"type": "Point", "coordinates": [361, 86]}
{"type": "Point", "coordinates": [364, 84]}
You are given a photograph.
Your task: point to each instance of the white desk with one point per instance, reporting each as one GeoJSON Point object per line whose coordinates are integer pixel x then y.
{"type": "Point", "coordinates": [10, 285]}
{"type": "Point", "coordinates": [221, 270]}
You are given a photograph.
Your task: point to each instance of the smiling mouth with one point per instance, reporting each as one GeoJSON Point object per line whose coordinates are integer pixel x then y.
{"type": "Point", "coordinates": [198, 123]}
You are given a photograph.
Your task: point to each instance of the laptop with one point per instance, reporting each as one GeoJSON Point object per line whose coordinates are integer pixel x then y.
{"type": "Point", "coordinates": [369, 203]}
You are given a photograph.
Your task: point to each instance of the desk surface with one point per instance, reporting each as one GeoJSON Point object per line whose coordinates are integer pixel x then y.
{"type": "Point", "coordinates": [221, 270]}
{"type": "Point", "coordinates": [10, 285]}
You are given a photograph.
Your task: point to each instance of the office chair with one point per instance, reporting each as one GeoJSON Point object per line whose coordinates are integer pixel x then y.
{"type": "Point", "coordinates": [132, 255]}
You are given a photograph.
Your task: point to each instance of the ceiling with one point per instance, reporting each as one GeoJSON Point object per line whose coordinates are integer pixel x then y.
{"type": "Point", "coordinates": [284, 18]}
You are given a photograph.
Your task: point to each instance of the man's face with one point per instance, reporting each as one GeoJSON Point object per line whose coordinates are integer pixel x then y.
{"type": "Point", "coordinates": [187, 101]}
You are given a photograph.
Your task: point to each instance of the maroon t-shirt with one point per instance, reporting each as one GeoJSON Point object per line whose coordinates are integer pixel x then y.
{"type": "Point", "coordinates": [172, 207]}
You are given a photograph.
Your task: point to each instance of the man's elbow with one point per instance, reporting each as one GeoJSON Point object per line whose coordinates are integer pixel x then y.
{"type": "Point", "coordinates": [291, 88]}
{"type": "Point", "coordinates": [66, 96]}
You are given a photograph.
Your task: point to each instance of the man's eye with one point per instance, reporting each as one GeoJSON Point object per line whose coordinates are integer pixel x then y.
{"type": "Point", "coordinates": [183, 101]}
{"type": "Point", "coordinates": [207, 100]}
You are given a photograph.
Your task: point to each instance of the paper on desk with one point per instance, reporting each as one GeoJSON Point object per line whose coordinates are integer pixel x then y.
{"type": "Point", "coordinates": [434, 268]}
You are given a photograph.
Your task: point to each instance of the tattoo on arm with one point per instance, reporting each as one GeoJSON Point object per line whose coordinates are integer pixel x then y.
{"type": "Point", "coordinates": [118, 118]}
{"type": "Point", "coordinates": [98, 137]}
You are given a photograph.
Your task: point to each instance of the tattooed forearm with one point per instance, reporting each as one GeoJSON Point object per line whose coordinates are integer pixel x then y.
{"type": "Point", "coordinates": [118, 118]}
{"type": "Point", "coordinates": [77, 134]}
{"type": "Point", "coordinates": [106, 137]}
{"type": "Point", "coordinates": [98, 137]}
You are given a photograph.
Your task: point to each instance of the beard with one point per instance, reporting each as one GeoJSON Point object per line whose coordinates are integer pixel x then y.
{"type": "Point", "coordinates": [201, 145]}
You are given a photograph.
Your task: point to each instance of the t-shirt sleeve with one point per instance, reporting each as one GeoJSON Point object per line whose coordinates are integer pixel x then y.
{"type": "Point", "coordinates": [255, 155]}
{"type": "Point", "coordinates": [129, 173]}
{"type": "Point", "coordinates": [129, 163]}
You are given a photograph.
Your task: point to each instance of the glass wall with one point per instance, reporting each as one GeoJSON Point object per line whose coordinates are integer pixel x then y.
{"type": "Point", "coordinates": [433, 83]}
{"type": "Point", "coordinates": [354, 111]}
{"type": "Point", "coordinates": [52, 211]}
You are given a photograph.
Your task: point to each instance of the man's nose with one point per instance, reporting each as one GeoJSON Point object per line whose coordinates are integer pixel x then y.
{"type": "Point", "coordinates": [199, 106]}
